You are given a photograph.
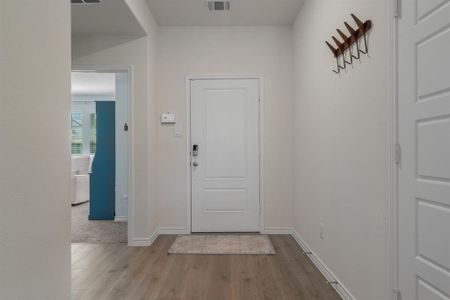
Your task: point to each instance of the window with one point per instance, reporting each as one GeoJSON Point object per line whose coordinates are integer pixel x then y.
{"type": "Point", "coordinates": [77, 132]}
{"type": "Point", "coordinates": [84, 128]}
{"type": "Point", "coordinates": [93, 133]}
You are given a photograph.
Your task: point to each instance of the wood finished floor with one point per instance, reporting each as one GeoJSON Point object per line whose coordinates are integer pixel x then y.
{"type": "Point", "coordinates": [115, 271]}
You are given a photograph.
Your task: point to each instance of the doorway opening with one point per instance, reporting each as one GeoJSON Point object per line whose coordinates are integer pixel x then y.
{"type": "Point", "coordinates": [100, 156]}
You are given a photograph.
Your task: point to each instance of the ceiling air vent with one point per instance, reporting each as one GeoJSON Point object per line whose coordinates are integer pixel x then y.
{"type": "Point", "coordinates": [219, 5]}
{"type": "Point", "coordinates": [86, 1]}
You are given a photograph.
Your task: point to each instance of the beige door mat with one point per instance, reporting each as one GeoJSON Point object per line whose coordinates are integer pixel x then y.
{"type": "Point", "coordinates": [237, 244]}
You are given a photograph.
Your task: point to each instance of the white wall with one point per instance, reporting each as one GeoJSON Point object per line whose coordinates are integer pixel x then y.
{"type": "Point", "coordinates": [152, 114]}
{"type": "Point", "coordinates": [34, 152]}
{"type": "Point", "coordinates": [135, 52]}
{"type": "Point", "coordinates": [341, 145]}
{"type": "Point", "coordinates": [145, 17]}
{"type": "Point", "coordinates": [265, 51]}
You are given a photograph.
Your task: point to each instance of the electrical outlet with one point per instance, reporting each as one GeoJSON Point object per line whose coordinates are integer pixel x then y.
{"type": "Point", "coordinates": [322, 231]}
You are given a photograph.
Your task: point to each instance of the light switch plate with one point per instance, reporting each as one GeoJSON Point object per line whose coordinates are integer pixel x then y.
{"type": "Point", "coordinates": [168, 118]}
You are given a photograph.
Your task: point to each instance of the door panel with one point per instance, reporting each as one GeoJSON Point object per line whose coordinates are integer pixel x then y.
{"type": "Point", "coordinates": [433, 151]}
{"type": "Point", "coordinates": [225, 178]}
{"type": "Point", "coordinates": [223, 200]}
{"type": "Point", "coordinates": [433, 217]}
{"type": "Point", "coordinates": [426, 7]}
{"type": "Point", "coordinates": [424, 134]}
{"type": "Point", "coordinates": [433, 71]}
{"type": "Point", "coordinates": [226, 130]}
{"type": "Point", "coordinates": [428, 292]}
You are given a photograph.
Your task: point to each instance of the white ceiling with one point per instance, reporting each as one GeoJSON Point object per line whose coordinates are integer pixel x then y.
{"type": "Point", "coordinates": [93, 84]}
{"type": "Point", "coordinates": [243, 13]}
{"type": "Point", "coordinates": [110, 17]}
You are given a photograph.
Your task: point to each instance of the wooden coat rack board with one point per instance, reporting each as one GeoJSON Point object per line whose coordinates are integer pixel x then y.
{"type": "Point", "coordinates": [348, 42]}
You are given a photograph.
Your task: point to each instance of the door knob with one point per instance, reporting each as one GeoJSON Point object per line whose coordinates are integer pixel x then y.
{"type": "Point", "coordinates": [195, 164]}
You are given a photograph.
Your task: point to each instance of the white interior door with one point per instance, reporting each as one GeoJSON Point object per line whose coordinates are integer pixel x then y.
{"type": "Point", "coordinates": [225, 169]}
{"type": "Point", "coordinates": [424, 135]}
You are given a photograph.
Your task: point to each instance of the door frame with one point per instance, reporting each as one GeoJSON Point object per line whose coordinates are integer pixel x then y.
{"type": "Point", "coordinates": [188, 199]}
{"type": "Point", "coordinates": [130, 72]}
{"type": "Point", "coordinates": [392, 176]}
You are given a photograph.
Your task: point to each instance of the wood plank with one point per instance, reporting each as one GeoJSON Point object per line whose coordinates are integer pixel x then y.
{"type": "Point", "coordinates": [219, 284]}
{"type": "Point", "coordinates": [244, 278]}
{"type": "Point", "coordinates": [198, 274]}
{"type": "Point", "coordinates": [115, 271]}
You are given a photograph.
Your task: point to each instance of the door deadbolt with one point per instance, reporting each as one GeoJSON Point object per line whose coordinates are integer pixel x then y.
{"type": "Point", "coordinates": [195, 150]}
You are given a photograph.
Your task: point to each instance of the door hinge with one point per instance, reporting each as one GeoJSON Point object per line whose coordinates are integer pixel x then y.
{"type": "Point", "coordinates": [398, 154]}
{"type": "Point", "coordinates": [397, 294]}
{"type": "Point", "coordinates": [397, 8]}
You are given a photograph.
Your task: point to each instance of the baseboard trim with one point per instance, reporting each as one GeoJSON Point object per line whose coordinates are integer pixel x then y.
{"type": "Point", "coordinates": [144, 242]}
{"type": "Point", "coordinates": [277, 230]}
{"type": "Point", "coordinates": [120, 219]}
{"type": "Point", "coordinates": [323, 268]}
{"type": "Point", "coordinates": [173, 230]}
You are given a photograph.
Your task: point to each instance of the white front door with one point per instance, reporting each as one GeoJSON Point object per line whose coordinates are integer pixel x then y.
{"type": "Point", "coordinates": [225, 155]}
{"type": "Point", "coordinates": [424, 135]}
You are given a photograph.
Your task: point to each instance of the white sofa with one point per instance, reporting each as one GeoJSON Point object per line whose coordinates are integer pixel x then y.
{"type": "Point", "coordinates": [81, 168]}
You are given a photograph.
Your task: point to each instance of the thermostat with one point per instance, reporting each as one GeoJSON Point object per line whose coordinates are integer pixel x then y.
{"type": "Point", "coordinates": [168, 118]}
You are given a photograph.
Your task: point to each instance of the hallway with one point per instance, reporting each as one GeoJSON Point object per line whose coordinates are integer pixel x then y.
{"type": "Point", "coordinates": [114, 271]}
{"type": "Point", "coordinates": [320, 125]}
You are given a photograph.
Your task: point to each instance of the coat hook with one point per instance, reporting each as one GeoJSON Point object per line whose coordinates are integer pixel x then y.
{"type": "Point", "coordinates": [355, 36]}
{"type": "Point", "coordinates": [336, 53]}
{"type": "Point", "coordinates": [338, 66]}
{"type": "Point", "coordinates": [342, 48]}
{"type": "Point", "coordinates": [348, 44]}
{"type": "Point", "coordinates": [334, 50]}
{"type": "Point", "coordinates": [364, 28]}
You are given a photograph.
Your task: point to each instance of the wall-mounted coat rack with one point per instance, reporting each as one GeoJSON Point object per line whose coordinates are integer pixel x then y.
{"type": "Point", "coordinates": [344, 52]}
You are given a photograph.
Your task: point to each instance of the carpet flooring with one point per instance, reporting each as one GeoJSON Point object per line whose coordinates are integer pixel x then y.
{"type": "Point", "coordinates": [238, 244]}
{"type": "Point", "coordinates": [102, 232]}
